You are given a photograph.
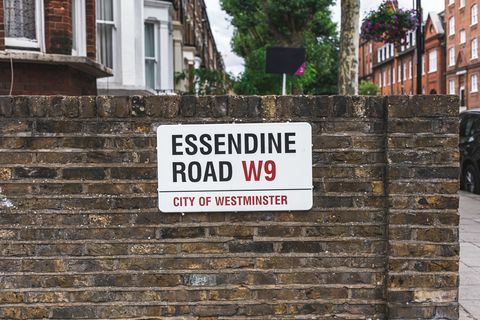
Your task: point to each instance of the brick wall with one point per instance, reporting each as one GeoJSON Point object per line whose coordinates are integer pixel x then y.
{"type": "Point", "coordinates": [81, 235]}
{"type": "Point", "coordinates": [49, 80]}
{"type": "Point", "coordinates": [58, 26]}
{"type": "Point", "coordinates": [2, 27]}
{"type": "Point", "coordinates": [91, 28]}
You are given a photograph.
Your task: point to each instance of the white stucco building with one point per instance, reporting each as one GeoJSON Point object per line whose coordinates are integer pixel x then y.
{"type": "Point", "coordinates": [135, 39]}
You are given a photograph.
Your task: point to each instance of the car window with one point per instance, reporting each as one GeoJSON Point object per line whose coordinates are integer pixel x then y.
{"type": "Point", "coordinates": [467, 130]}
{"type": "Point", "coordinates": [476, 126]}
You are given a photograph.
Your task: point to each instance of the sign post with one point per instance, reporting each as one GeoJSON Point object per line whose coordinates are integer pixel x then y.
{"type": "Point", "coordinates": [285, 61]}
{"type": "Point", "coordinates": [235, 167]}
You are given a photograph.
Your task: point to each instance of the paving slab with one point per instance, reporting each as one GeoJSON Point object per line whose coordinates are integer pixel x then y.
{"type": "Point", "coordinates": [469, 296]}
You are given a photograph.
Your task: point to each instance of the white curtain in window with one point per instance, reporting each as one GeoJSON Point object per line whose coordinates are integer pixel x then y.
{"type": "Point", "coordinates": [20, 19]}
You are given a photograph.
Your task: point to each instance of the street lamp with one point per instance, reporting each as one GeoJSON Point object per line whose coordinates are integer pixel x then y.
{"type": "Point", "coordinates": [420, 41]}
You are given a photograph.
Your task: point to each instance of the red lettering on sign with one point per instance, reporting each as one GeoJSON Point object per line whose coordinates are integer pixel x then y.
{"type": "Point", "coordinates": [254, 170]}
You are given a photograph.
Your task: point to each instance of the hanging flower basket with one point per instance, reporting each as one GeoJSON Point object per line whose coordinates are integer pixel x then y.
{"type": "Point", "coordinates": [388, 25]}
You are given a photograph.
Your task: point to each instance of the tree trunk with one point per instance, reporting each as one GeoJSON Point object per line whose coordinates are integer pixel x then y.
{"type": "Point", "coordinates": [349, 42]}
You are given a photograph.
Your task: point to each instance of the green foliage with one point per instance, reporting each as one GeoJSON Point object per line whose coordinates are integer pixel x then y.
{"type": "Point", "coordinates": [208, 82]}
{"type": "Point", "coordinates": [291, 23]}
{"type": "Point", "coordinates": [367, 88]}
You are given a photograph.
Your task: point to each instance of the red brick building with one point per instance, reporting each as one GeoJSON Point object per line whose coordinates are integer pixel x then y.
{"type": "Point", "coordinates": [463, 63]}
{"type": "Point", "coordinates": [394, 69]}
{"type": "Point", "coordinates": [48, 47]}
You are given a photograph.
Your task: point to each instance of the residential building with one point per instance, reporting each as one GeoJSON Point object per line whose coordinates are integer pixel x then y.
{"type": "Point", "coordinates": [394, 68]}
{"type": "Point", "coordinates": [463, 68]}
{"type": "Point", "coordinates": [48, 47]}
{"type": "Point", "coordinates": [153, 45]}
{"type": "Point", "coordinates": [196, 47]}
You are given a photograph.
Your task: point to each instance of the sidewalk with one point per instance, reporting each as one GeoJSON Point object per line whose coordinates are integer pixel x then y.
{"type": "Point", "coordinates": [469, 256]}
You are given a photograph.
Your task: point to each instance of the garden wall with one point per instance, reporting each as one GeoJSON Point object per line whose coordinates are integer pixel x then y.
{"type": "Point", "coordinates": [81, 235]}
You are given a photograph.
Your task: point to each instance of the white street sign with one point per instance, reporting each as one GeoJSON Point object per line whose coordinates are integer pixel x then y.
{"type": "Point", "coordinates": [234, 167]}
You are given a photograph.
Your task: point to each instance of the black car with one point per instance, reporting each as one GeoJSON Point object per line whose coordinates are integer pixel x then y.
{"type": "Point", "coordinates": [470, 150]}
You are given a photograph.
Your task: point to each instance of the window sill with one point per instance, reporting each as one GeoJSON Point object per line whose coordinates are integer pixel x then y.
{"type": "Point", "coordinates": [22, 44]}
{"type": "Point", "coordinates": [83, 64]}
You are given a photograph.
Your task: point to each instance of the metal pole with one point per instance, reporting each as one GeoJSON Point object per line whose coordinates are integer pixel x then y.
{"type": "Point", "coordinates": [419, 36]}
{"type": "Point", "coordinates": [284, 85]}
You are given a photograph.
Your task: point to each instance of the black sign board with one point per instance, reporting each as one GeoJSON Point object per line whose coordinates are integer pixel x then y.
{"type": "Point", "coordinates": [285, 60]}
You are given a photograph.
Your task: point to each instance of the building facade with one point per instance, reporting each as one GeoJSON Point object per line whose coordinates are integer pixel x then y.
{"type": "Point", "coordinates": [48, 47]}
{"type": "Point", "coordinates": [394, 68]}
{"type": "Point", "coordinates": [463, 67]}
{"type": "Point", "coordinates": [196, 46]}
{"type": "Point", "coordinates": [153, 46]}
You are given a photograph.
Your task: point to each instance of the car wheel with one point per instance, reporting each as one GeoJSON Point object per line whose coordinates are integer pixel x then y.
{"type": "Point", "coordinates": [471, 180]}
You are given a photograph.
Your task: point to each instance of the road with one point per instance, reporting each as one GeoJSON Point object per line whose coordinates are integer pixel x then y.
{"type": "Point", "coordinates": [469, 256]}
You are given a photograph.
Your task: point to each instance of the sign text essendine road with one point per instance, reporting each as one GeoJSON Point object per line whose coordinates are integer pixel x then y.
{"type": "Point", "coordinates": [234, 167]}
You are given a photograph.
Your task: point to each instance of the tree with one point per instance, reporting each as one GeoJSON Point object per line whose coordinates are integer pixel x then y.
{"type": "Point", "coordinates": [290, 23]}
{"type": "Point", "coordinates": [349, 40]}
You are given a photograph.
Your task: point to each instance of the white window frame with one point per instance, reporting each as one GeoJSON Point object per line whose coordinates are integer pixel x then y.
{"type": "Point", "coordinates": [404, 71]}
{"type": "Point", "coordinates": [399, 73]}
{"type": "Point", "coordinates": [156, 59]}
{"type": "Point", "coordinates": [451, 87]}
{"type": "Point", "coordinates": [451, 57]}
{"type": "Point", "coordinates": [423, 64]}
{"type": "Point", "coordinates": [451, 26]}
{"type": "Point", "coordinates": [474, 49]}
{"type": "Point", "coordinates": [410, 70]}
{"type": "Point", "coordinates": [114, 33]}
{"type": "Point", "coordinates": [394, 75]}
{"type": "Point", "coordinates": [24, 43]}
{"type": "Point", "coordinates": [474, 83]}
{"type": "Point", "coordinates": [432, 61]}
{"type": "Point", "coordinates": [474, 15]}
{"type": "Point", "coordinates": [463, 37]}
{"type": "Point", "coordinates": [80, 29]}
{"type": "Point", "coordinates": [451, 2]}
{"type": "Point", "coordinates": [462, 4]}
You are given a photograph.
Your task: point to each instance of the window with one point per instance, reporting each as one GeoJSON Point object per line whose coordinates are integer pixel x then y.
{"type": "Point", "coordinates": [384, 80]}
{"type": "Point", "coordinates": [23, 23]}
{"type": "Point", "coordinates": [105, 28]}
{"type": "Point", "coordinates": [474, 49]}
{"type": "Point", "coordinates": [451, 57]}
{"type": "Point", "coordinates": [451, 87]}
{"type": "Point", "coordinates": [150, 55]}
{"type": "Point", "coordinates": [462, 4]}
{"type": "Point", "coordinates": [451, 26]}
{"type": "Point", "coordinates": [474, 83]}
{"type": "Point", "coordinates": [463, 37]}
{"type": "Point", "coordinates": [432, 61]}
{"type": "Point", "coordinates": [474, 14]}
{"type": "Point", "coordinates": [399, 73]}
{"type": "Point", "coordinates": [451, 2]}
{"type": "Point", "coordinates": [380, 80]}
{"type": "Point", "coordinates": [404, 71]}
{"type": "Point", "coordinates": [423, 64]}
{"type": "Point", "coordinates": [393, 75]}
{"type": "Point", "coordinates": [410, 70]}
{"type": "Point", "coordinates": [79, 40]}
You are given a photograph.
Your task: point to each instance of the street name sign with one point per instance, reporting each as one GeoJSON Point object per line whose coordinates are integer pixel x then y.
{"type": "Point", "coordinates": [235, 167]}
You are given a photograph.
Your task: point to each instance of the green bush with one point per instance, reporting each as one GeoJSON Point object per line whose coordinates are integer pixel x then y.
{"type": "Point", "coordinates": [367, 88]}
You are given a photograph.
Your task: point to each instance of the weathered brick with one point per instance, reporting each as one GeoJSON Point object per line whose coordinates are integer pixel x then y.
{"type": "Point", "coordinates": [380, 242]}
